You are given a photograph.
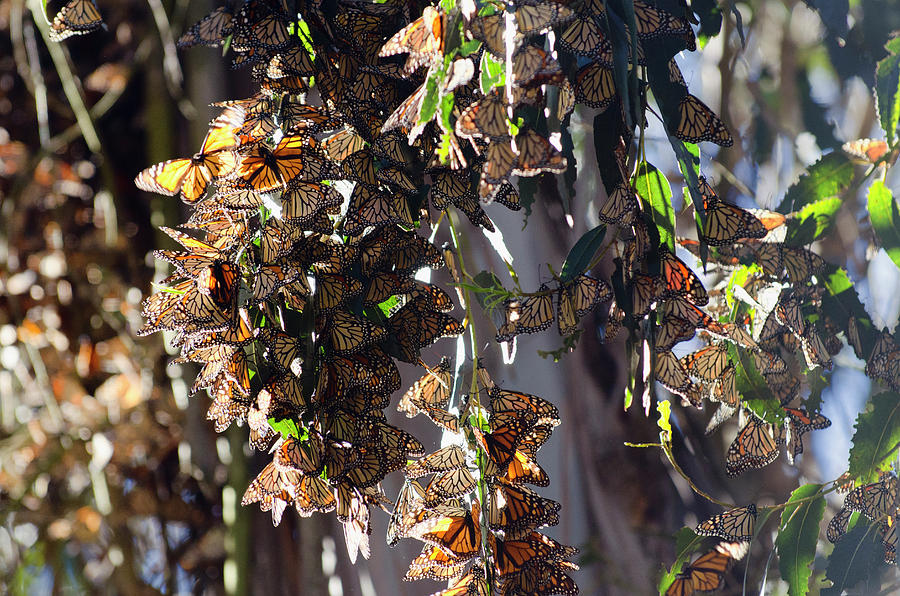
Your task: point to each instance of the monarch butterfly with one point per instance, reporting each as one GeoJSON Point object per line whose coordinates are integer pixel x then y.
{"type": "Point", "coordinates": [726, 223]}
{"type": "Point", "coordinates": [226, 407]}
{"type": "Point", "coordinates": [294, 61]}
{"type": "Point", "coordinates": [489, 29]}
{"type": "Point", "coordinates": [415, 326]}
{"type": "Point", "coordinates": [504, 400]}
{"type": "Point", "coordinates": [534, 17]}
{"type": "Point", "coordinates": [706, 572]}
{"type": "Point", "coordinates": [798, 423]}
{"type": "Point", "coordinates": [595, 86]}
{"type": "Point", "coordinates": [884, 362]}
{"type": "Point", "coordinates": [485, 118]}
{"type": "Point", "coordinates": [645, 291]}
{"type": "Point", "coordinates": [876, 499]}
{"type": "Point", "coordinates": [191, 176]}
{"type": "Point", "coordinates": [735, 524]}
{"type": "Point", "coordinates": [620, 207]}
{"type": "Point", "coordinates": [455, 530]}
{"type": "Point", "coordinates": [541, 577]}
{"type": "Point", "coordinates": [384, 284]}
{"type": "Point", "coordinates": [270, 481]}
{"type": "Point", "coordinates": [511, 556]}
{"type": "Point", "coordinates": [754, 447]}
{"type": "Point", "coordinates": [536, 155]}
{"type": "Point", "coordinates": [409, 505]}
{"type": "Point", "coordinates": [866, 151]}
{"type": "Point", "coordinates": [448, 484]}
{"type": "Point", "coordinates": [304, 457]}
{"type": "Point", "coordinates": [533, 66]}
{"type": "Point", "coordinates": [671, 331]}
{"type": "Point", "coordinates": [78, 17]}
{"type": "Point", "coordinates": [264, 169]}
{"type": "Point", "coordinates": [333, 290]}
{"type": "Point", "coordinates": [434, 563]}
{"type": "Point", "coordinates": [517, 510]}
{"type": "Point", "coordinates": [342, 144]}
{"type": "Point", "coordinates": [347, 333]}
{"type": "Point", "coordinates": [190, 264]}
{"type": "Point", "coordinates": [653, 22]}
{"type": "Point", "coordinates": [697, 122]}
{"type": "Point", "coordinates": [505, 438]}
{"type": "Point", "coordinates": [500, 161]}
{"type": "Point", "coordinates": [837, 527]}
{"type": "Point", "coordinates": [672, 374]}
{"type": "Point", "coordinates": [584, 37]}
{"type": "Point", "coordinates": [423, 40]}
{"type": "Point", "coordinates": [681, 280]}
{"type": "Point", "coordinates": [707, 363]}
{"type": "Point", "coordinates": [451, 457]}
{"type": "Point", "coordinates": [522, 469]}
{"type": "Point", "coordinates": [211, 30]}
{"type": "Point", "coordinates": [529, 315]}
{"type": "Point", "coordinates": [814, 349]}
{"type": "Point", "coordinates": [219, 281]}
{"type": "Point", "coordinates": [259, 27]}
{"type": "Point", "coordinates": [471, 584]}
{"type": "Point", "coordinates": [432, 389]}
{"type": "Point", "coordinates": [800, 263]}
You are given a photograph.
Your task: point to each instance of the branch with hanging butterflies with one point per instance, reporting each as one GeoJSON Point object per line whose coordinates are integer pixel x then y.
{"type": "Point", "coordinates": [303, 291]}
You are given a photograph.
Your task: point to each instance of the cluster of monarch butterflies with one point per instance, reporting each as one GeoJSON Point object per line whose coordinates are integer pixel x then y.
{"type": "Point", "coordinates": [308, 194]}
{"type": "Point", "coordinates": [446, 511]}
{"type": "Point", "coordinates": [879, 502]}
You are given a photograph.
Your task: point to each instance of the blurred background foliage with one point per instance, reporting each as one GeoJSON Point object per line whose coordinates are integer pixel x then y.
{"type": "Point", "coordinates": [111, 481]}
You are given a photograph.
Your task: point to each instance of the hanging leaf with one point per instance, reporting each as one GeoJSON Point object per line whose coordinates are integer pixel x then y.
{"type": "Point", "coordinates": [885, 219]}
{"type": "Point", "coordinates": [887, 90]}
{"type": "Point", "coordinates": [796, 542]}
{"type": "Point", "coordinates": [828, 177]}
{"type": "Point", "coordinates": [856, 557]}
{"type": "Point", "coordinates": [652, 186]}
{"type": "Point", "coordinates": [813, 221]}
{"type": "Point", "coordinates": [876, 438]}
{"type": "Point", "coordinates": [580, 256]}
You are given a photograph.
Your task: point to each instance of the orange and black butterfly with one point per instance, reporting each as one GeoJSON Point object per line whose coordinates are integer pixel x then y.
{"type": "Point", "coordinates": [726, 223]}
{"type": "Point", "coordinates": [755, 446]}
{"type": "Point", "coordinates": [191, 176]}
{"type": "Point", "coordinates": [866, 151]}
{"type": "Point", "coordinates": [697, 122]}
{"type": "Point", "coordinates": [78, 17]}
{"type": "Point", "coordinates": [620, 207]}
{"type": "Point", "coordinates": [518, 510]}
{"type": "Point", "coordinates": [706, 572]}
{"type": "Point", "coordinates": [735, 524]}
{"type": "Point", "coordinates": [211, 30]}
{"type": "Point", "coordinates": [672, 374]}
{"type": "Point", "coordinates": [529, 315]}
{"type": "Point", "coordinates": [800, 422]}
{"type": "Point", "coordinates": [423, 40]}
{"type": "Point", "coordinates": [595, 86]}
{"type": "Point", "coordinates": [680, 280]}
{"type": "Point", "coordinates": [265, 169]}
{"type": "Point", "coordinates": [507, 434]}
{"type": "Point", "coordinates": [455, 530]}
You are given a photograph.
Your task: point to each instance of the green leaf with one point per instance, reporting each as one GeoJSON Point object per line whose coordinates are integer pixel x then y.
{"type": "Point", "coordinates": [885, 219]}
{"type": "Point", "coordinates": [492, 73]}
{"type": "Point", "coordinates": [665, 411]}
{"type": "Point", "coordinates": [887, 90]}
{"type": "Point", "coordinates": [876, 438]}
{"type": "Point", "coordinates": [286, 426]}
{"type": "Point", "coordinates": [755, 392]}
{"type": "Point", "coordinates": [857, 556]}
{"type": "Point", "coordinates": [813, 221]}
{"type": "Point", "coordinates": [469, 47]}
{"type": "Point", "coordinates": [491, 289]}
{"type": "Point", "coordinates": [652, 186]}
{"type": "Point", "coordinates": [828, 177]}
{"type": "Point", "coordinates": [580, 256]}
{"type": "Point", "coordinates": [796, 541]}
{"type": "Point", "coordinates": [430, 102]}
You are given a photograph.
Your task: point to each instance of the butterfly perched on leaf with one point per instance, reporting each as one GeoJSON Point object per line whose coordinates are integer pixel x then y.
{"type": "Point", "coordinates": [77, 17]}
